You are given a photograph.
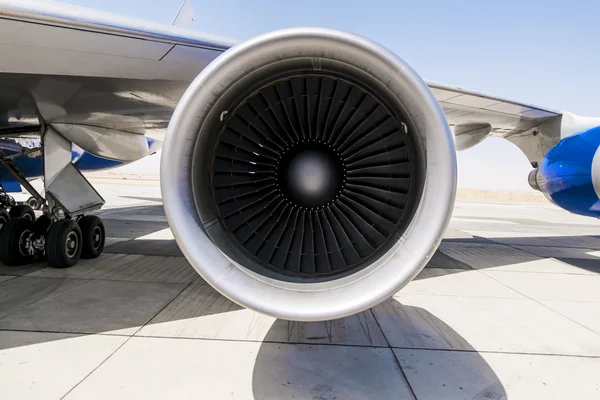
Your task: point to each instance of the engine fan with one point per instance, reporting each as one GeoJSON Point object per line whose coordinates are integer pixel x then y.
{"type": "Point", "coordinates": [308, 174]}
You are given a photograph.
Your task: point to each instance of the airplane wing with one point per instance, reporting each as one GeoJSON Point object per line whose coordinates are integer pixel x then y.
{"type": "Point", "coordinates": [97, 76]}
{"type": "Point", "coordinates": [102, 81]}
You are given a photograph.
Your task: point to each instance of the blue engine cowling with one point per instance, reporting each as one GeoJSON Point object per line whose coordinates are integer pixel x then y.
{"type": "Point", "coordinates": [569, 175]}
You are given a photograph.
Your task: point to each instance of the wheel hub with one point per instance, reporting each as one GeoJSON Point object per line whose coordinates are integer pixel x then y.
{"type": "Point", "coordinates": [96, 237]}
{"type": "Point", "coordinates": [25, 243]}
{"type": "Point", "coordinates": [71, 244]}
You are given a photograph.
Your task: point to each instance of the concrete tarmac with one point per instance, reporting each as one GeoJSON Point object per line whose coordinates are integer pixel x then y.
{"type": "Point", "coordinates": [509, 307]}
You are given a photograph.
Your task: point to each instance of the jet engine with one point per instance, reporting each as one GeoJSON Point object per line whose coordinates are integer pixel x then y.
{"type": "Point", "coordinates": [569, 174]}
{"type": "Point", "coordinates": [308, 174]}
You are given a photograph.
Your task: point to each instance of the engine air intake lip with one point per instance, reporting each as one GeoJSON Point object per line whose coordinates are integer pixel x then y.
{"type": "Point", "coordinates": [313, 176]}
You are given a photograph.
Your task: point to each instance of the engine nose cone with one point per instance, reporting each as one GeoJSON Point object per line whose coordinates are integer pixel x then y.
{"type": "Point", "coordinates": [311, 176]}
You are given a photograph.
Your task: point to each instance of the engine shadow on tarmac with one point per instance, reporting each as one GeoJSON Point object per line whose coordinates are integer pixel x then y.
{"type": "Point", "coordinates": [364, 372]}
{"type": "Point", "coordinates": [348, 358]}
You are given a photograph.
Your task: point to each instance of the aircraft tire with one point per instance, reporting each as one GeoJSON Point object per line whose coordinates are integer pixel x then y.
{"type": "Point", "coordinates": [22, 210]}
{"type": "Point", "coordinates": [63, 244]}
{"type": "Point", "coordinates": [4, 217]}
{"type": "Point", "coordinates": [94, 235]}
{"type": "Point", "coordinates": [12, 241]}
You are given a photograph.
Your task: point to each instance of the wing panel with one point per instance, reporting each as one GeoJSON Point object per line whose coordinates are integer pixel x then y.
{"type": "Point", "coordinates": [31, 35]}
{"type": "Point", "coordinates": [473, 101]}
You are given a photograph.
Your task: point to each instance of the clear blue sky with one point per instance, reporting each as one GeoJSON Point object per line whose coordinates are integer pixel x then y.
{"type": "Point", "coordinates": [539, 52]}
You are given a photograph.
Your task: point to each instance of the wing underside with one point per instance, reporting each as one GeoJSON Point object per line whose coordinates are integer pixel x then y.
{"type": "Point", "coordinates": [474, 117]}
{"type": "Point", "coordinates": [100, 79]}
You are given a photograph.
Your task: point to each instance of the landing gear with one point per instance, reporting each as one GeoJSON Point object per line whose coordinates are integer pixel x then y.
{"type": "Point", "coordinates": [63, 242]}
{"type": "Point", "coordinates": [93, 236]}
{"type": "Point", "coordinates": [62, 234]}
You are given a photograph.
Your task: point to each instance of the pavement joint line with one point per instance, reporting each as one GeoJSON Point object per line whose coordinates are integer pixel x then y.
{"type": "Point", "coordinates": [124, 342]}
{"type": "Point", "coordinates": [11, 278]}
{"type": "Point", "coordinates": [548, 308]}
{"type": "Point", "coordinates": [512, 353]}
{"type": "Point", "coordinates": [87, 282]}
{"type": "Point", "coordinates": [524, 298]}
{"type": "Point", "coordinates": [193, 338]}
{"type": "Point", "coordinates": [369, 346]}
{"type": "Point", "coordinates": [310, 344]}
{"type": "Point", "coordinates": [104, 280]}
{"type": "Point", "coordinates": [163, 308]}
{"type": "Point", "coordinates": [412, 391]}
{"type": "Point", "coordinates": [64, 332]}
{"type": "Point", "coordinates": [460, 295]}
{"type": "Point", "coordinates": [491, 269]}
{"type": "Point", "coordinates": [96, 368]}
{"type": "Point", "coordinates": [295, 343]}
{"type": "Point", "coordinates": [143, 255]}
{"type": "Point", "coordinates": [513, 246]}
{"type": "Point", "coordinates": [540, 245]}
{"type": "Point", "coordinates": [121, 241]}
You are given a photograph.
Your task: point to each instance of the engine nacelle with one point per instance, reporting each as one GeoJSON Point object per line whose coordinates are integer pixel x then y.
{"type": "Point", "coordinates": [308, 174]}
{"type": "Point", "coordinates": [569, 175]}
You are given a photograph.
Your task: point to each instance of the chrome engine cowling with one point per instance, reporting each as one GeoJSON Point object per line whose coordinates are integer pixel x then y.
{"type": "Point", "coordinates": [308, 174]}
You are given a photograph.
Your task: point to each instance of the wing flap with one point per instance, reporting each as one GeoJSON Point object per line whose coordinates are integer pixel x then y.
{"type": "Point", "coordinates": [80, 18]}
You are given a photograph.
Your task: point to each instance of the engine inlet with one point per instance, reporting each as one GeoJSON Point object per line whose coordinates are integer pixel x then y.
{"type": "Point", "coordinates": [308, 174]}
